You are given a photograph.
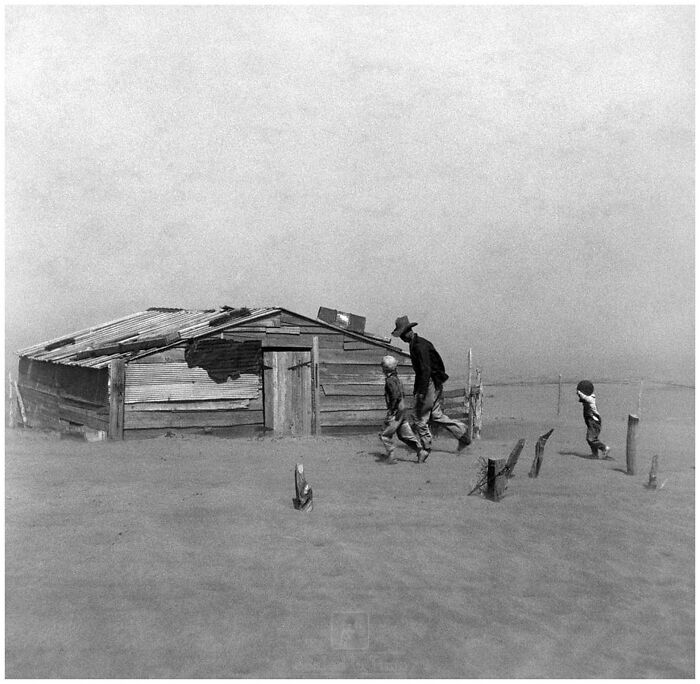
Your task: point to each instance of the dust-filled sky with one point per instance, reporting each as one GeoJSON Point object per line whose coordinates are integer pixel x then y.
{"type": "Point", "coordinates": [516, 179]}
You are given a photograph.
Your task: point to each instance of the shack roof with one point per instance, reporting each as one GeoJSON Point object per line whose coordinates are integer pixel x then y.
{"type": "Point", "coordinates": [154, 329]}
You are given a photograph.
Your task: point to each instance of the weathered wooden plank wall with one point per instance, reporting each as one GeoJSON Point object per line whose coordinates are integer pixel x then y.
{"type": "Point", "coordinates": [352, 382]}
{"type": "Point", "coordinates": [55, 396]}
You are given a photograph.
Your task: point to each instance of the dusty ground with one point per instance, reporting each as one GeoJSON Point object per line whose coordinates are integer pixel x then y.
{"type": "Point", "coordinates": [181, 557]}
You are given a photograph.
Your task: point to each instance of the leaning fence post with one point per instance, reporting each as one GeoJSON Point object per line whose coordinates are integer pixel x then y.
{"type": "Point", "coordinates": [539, 454]}
{"type": "Point", "coordinates": [632, 423]}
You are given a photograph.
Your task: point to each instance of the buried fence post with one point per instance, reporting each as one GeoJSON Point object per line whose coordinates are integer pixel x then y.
{"type": "Point", "coordinates": [495, 479]}
{"type": "Point", "coordinates": [653, 473]}
{"type": "Point", "coordinates": [632, 423]}
{"type": "Point", "coordinates": [501, 473]}
{"type": "Point", "coordinates": [513, 457]}
{"type": "Point", "coordinates": [539, 454]}
{"type": "Point", "coordinates": [303, 501]}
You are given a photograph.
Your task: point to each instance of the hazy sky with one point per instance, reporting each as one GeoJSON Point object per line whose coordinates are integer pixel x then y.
{"type": "Point", "coordinates": [516, 179]}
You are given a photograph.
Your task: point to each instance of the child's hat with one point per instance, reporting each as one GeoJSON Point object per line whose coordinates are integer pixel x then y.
{"type": "Point", "coordinates": [389, 362]}
{"type": "Point", "coordinates": [585, 387]}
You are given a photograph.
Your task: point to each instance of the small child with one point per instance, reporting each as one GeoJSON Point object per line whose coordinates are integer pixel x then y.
{"type": "Point", "coordinates": [395, 422]}
{"type": "Point", "coordinates": [591, 417]}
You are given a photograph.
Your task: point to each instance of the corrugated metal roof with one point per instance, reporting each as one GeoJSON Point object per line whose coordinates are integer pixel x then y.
{"type": "Point", "coordinates": [155, 328]}
{"type": "Point", "coordinates": [73, 349]}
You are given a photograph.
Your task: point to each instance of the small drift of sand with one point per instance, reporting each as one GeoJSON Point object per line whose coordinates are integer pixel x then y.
{"type": "Point", "coordinates": [184, 557]}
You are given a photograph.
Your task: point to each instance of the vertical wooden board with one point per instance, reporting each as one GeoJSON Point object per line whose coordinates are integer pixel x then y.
{"type": "Point", "coordinates": [308, 393]}
{"type": "Point", "coordinates": [282, 417]}
{"type": "Point", "coordinates": [269, 389]}
{"type": "Point", "coordinates": [117, 385]}
{"type": "Point", "coordinates": [299, 392]}
{"type": "Point", "coordinates": [315, 389]}
{"type": "Point", "coordinates": [294, 392]}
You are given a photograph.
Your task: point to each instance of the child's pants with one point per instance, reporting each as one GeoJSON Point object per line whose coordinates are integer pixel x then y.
{"type": "Point", "coordinates": [592, 432]}
{"type": "Point", "coordinates": [400, 428]}
{"type": "Point", "coordinates": [431, 409]}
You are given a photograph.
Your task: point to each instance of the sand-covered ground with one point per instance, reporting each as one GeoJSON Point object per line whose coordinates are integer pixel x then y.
{"type": "Point", "coordinates": [183, 557]}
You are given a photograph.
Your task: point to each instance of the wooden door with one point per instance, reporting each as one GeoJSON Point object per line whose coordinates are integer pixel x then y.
{"type": "Point", "coordinates": [287, 390]}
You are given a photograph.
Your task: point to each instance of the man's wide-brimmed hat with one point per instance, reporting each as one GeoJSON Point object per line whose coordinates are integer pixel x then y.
{"type": "Point", "coordinates": [402, 325]}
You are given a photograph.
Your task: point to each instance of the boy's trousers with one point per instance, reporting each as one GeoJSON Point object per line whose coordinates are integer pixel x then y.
{"type": "Point", "coordinates": [431, 409]}
{"type": "Point", "coordinates": [592, 433]}
{"type": "Point", "coordinates": [399, 427]}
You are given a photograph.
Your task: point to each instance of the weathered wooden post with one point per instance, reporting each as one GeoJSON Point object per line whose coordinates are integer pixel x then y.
{"type": "Point", "coordinates": [315, 390]}
{"type": "Point", "coordinates": [513, 457]}
{"type": "Point", "coordinates": [539, 454]}
{"type": "Point", "coordinates": [469, 372]}
{"type": "Point", "coordinates": [303, 499]}
{"type": "Point", "coordinates": [559, 397]}
{"type": "Point", "coordinates": [117, 382]}
{"type": "Point", "coordinates": [13, 405]}
{"type": "Point", "coordinates": [478, 405]}
{"type": "Point", "coordinates": [632, 423]}
{"type": "Point", "coordinates": [495, 479]}
{"type": "Point", "coordinates": [653, 473]}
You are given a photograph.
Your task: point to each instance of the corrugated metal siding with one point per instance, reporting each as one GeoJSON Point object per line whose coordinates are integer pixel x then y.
{"type": "Point", "coordinates": [178, 382]}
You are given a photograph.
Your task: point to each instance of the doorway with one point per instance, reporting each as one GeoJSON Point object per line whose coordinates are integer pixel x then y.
{"type": "Point", "coordinates": [287, 391]}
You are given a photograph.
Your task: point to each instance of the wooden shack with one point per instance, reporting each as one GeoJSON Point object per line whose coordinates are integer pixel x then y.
{"type": "Point", "coordinates": [228, 370]}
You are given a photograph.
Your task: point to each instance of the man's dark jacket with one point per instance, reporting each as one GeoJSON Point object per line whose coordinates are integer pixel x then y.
{"type": "Point", "coordinates": [427, 364]}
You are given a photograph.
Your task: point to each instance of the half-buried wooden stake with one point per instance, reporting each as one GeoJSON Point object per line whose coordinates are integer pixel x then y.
{"type": "Point", "coordinates": [539, 454]}
{"type": "Point", "coordinates": [303, 501]}
{"type": "Point", "coordinates": [495, 479]}
{"type": "Point", "coordinates": [513, 458]}
{"type": "Point", "coordinates": [653, 473]}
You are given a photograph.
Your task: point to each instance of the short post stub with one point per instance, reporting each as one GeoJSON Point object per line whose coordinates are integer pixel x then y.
{"type": "Point", "coordinates": [632, 423]}
{"type": "Point", "coordinates": [653, 473]}
{"type": "Point", "coordinates": [303, 501]}
{"type": "Point", "coordinates": [495, 479]}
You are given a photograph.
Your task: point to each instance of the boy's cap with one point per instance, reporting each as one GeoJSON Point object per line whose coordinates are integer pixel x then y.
{"type": "Point", "coordinates": [585, 387]}
{"type": "Point", "coordinates": [402, 325]}
{"type": "Point", "coordinates": [389, 362]}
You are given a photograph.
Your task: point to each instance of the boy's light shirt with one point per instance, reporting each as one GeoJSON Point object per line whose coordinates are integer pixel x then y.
{"type": "Point", "coordinates": [589, 399]}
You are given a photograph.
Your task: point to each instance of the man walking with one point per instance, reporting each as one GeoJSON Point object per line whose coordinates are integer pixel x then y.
{"type": "Point", "coordinates": [427, 388]}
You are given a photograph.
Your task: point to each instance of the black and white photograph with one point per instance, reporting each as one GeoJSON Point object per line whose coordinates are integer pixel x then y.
{"type": "Point", "coordinates": [349, 341]}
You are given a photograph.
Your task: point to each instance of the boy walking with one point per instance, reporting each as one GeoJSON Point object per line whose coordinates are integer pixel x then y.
{"type": "Point", "coordinates": [585, 393]}
{"type": "Point", "coordinates": [395, 422]}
